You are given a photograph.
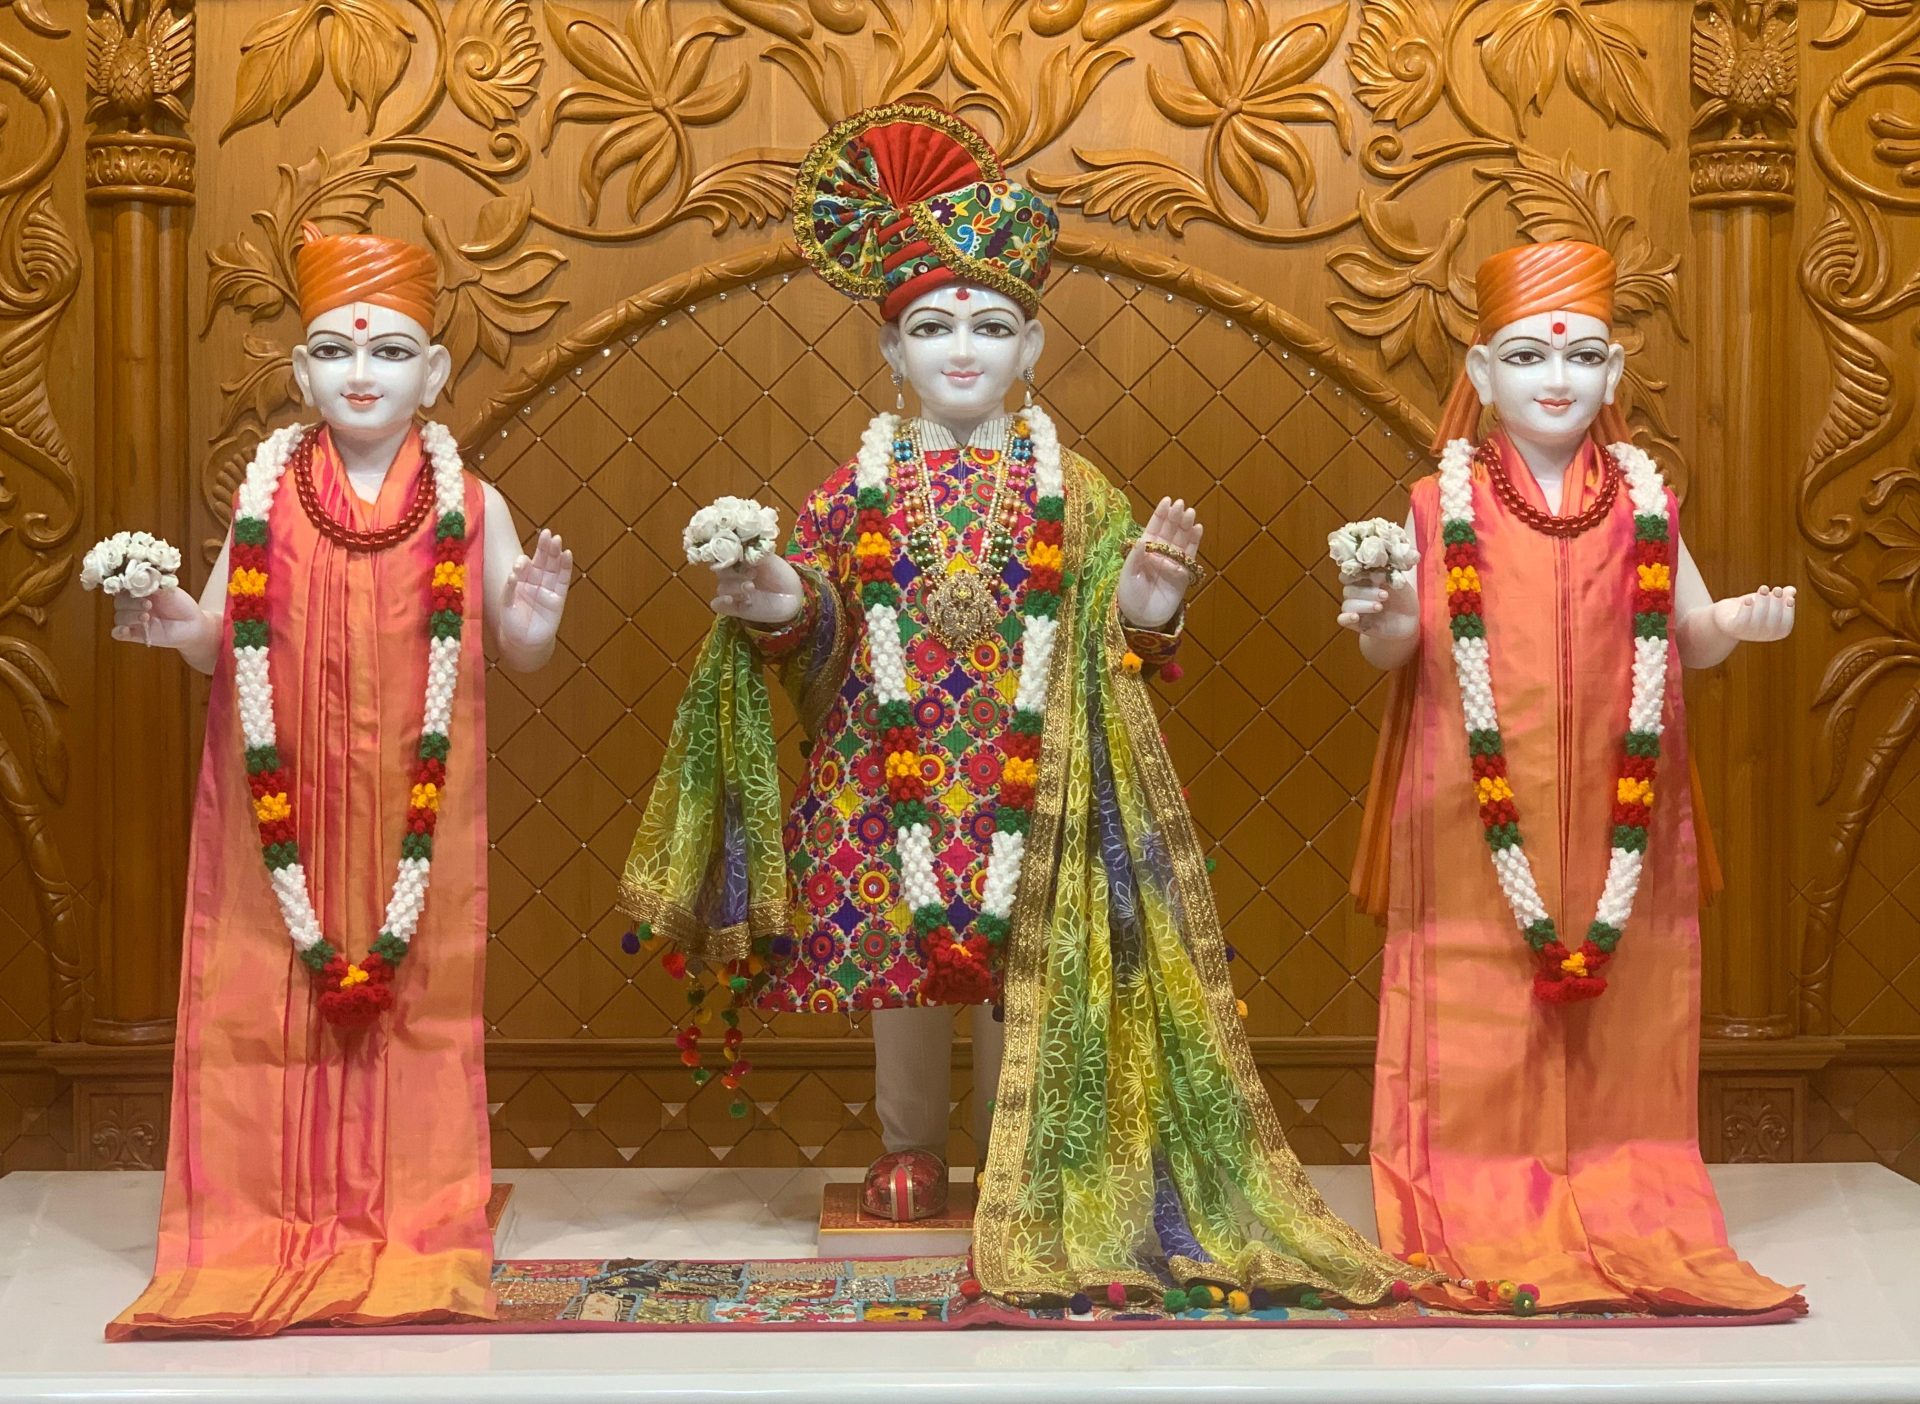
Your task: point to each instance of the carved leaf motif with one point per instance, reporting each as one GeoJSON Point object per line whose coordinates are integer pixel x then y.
{"type": "Point", "coordinates": [493, 59]}
{"type": "Point", "coordinates": [1848, 15]}
{"type": "Point", "coordinates": [1112, 18]}
{"type": "Point", "coordinates": [648, 88]}
{"type": "Point", "coordinates": [914, 57]}
{"type": "Point", "coordinates": [1132, 187]}
{"type": "Point", "coordinates": [262, 387]}
{"type": "Point", "coordinates": [484, 306]}
{"type": "Point", "coordinates": [750, 190]}
{"type": "Point", "coordinates": [1533, 44]}
{"type": "Point", "coordinates": [39, 272]}
{"type": "Point", "coordinates": [1412, 300]}
{"type": "Point", "coordinates": [34, 14]}
{"type": "Point", "coordinates": [986, 57]}
{"type": "Point", "coordinates": [367, 45]}
{"type": "Point", "coordinates": [1396, 60]}
{"type": "Point", "coordinates": [35, 590]}
{"type": "Point", "coordinates": [787, 18]}
{"type": "Point", "coordinates": [28, 674]}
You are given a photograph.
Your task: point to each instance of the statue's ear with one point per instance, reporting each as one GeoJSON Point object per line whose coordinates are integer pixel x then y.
{"type": "Point", "coordinates": [1033, 341]}
{"type": "Point", "coordinates": [1480, 371]}
{"type": "Point", "coordinates": [890, 348]}
{"type": "Point", "coordinates": [303, 374]}
{"type": "Point", "coordinates": [439, 372]}
{"type": "Point", "coordinates": [1616, 368]}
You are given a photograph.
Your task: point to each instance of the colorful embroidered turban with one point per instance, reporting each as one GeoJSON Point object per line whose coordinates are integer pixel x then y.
{"type": "Point", "coordinates": [1562, 275]}
{"type": "Point", "coordinates": [337, 270]}
{"type": "Point", "coordinates": [901, 199]}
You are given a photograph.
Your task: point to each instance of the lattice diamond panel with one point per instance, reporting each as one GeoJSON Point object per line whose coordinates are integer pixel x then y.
{"type": "Point", "coordinates": [761, 394]}
{"type": "Point", "coordinates": [1876, 964]}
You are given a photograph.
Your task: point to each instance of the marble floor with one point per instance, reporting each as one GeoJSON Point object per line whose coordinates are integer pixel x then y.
{"type": "Point", "coordinates": [75, 1248]}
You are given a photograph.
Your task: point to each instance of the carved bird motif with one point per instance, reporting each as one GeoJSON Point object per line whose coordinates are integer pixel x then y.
{"type": "Point", "coordinates": [134, 71]}
{"type": "Point", "coordinates": [1743, 60]}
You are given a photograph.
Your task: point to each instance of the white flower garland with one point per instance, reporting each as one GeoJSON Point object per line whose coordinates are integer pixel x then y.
{"type": "Point", "coordinates": [1647, 491]}
{"type": "Point", "coordinates": [253, 682]}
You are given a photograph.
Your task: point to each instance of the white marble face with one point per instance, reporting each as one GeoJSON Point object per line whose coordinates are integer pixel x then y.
{"type": "Point", "coordinates": [367, 369]}
{"type": "Point", "coordinates": [962, 348]}
{"type": "Point", "coordinates": [1548, 375]}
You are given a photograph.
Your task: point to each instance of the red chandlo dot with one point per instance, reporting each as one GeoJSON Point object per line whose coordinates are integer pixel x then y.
{"type": "Point", "coordinates": [1559, 328]}
{"type": "Point", "coordinates": [360, 324]}
{"type": "Point", "coordinates": [961, 295]}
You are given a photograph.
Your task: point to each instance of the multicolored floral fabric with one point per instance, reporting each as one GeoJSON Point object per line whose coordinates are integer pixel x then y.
{"type": "Point", "coordinates": [852, 943]}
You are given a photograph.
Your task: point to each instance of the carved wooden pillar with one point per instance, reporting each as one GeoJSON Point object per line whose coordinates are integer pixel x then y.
{"type": "Point", "coordinates": [139, 194]}
{"type": "Point", "coordinates": [1739, 512]}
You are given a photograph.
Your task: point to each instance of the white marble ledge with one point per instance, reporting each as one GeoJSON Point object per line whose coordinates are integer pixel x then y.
{"type": "Point", "coordinates": [75, 1248]}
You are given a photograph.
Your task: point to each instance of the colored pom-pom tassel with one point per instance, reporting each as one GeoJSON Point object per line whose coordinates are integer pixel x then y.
{"type": "Point", "coordinates": [1400, 1291]}
{"type": "Point", "coordinates": [630, 943]}
{"type": "Point", "coordinates": [1175, 1301]}
{"type": "Point", "coordinates": [1079, 1304]}
{"type": "Point", "coordinates": [737, 1110]}
{"type": "Point", "coordinates": [701, 1076]}
{"type": "Point", "coordinates": [1239, 1303]}
{"type": "Point", "coordinates": [1215, 1297]}
{"type": "Point", "coordinates": [1116, 1294]}
{"type": "Point", "coordinates": [1505, 1291]}
{"type": "Point", "coordinates": [1418, 1260]}
{"type": "Point", "coordinates": [1212, 862]}
{"type": "Point", "coordinates": [1240, 1008]}
{"type": "Point", "coordinates": [1529, 1289]}
{"type": "Point", "coordinates": [1312, 1301]}
{"type": "Point", "coordinates": [971, 1289]}
{"type": "Point", "coordinates": [1525, 1303]}
{"type": "Point", "coordinates": [1261, 1298]}
{"type": "Point", "coordinates": [1172, 672]}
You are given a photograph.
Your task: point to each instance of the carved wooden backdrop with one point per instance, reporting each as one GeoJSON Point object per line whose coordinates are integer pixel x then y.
{"type": "Point", "coordinates": [1271, 216]}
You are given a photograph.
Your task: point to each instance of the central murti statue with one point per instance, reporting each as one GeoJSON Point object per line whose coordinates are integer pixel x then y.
{"type": "Point", "coordinates": [967, 617]}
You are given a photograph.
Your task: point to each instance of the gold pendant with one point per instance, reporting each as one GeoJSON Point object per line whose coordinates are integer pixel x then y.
{"type": "Point", "coordinates": [963, 608]}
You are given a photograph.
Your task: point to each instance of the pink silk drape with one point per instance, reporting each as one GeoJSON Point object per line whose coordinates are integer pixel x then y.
{"type": "Point", "coordinates": [315, 1175]}
{"type": "Point", "coordinates": [1512, 1139]}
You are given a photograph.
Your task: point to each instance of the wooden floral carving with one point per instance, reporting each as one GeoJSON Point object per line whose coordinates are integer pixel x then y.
{"type": "Point", "coordinates": [1533, 45]}
{"type": "Point", "coordinates": [138, 64]}
{"type": "Point", "coordinates": [365, 44]}
{"type": "Point", "coordinates": [1398, 60]}
{"type": "Point", "coordinates": [1409, 296]}
{"type": "Point", "coordinates": [493, 59]}
{"type": "Point", "coordinates": [648, 88]}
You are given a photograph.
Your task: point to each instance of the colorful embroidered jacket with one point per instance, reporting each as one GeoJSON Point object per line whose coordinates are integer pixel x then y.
{"type": "Point", "coordinates": [852, 944]}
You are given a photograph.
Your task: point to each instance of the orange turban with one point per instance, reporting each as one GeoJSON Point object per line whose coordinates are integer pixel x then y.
{"type": "Point", "coordinates": [336, 270]}
{"type": "Point", "coordinates": [1562, 275]}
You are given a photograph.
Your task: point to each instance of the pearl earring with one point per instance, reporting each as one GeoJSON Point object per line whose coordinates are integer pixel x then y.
{"type": "Point", "coordinates": [899, 395]}
{"type": "Point", "coordinates": [1027, 375]}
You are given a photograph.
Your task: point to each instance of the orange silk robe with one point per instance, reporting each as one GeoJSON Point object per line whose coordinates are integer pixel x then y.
{"type": "Point", "coordinates": [315, 1175]}
{"type": "Point", "coordinates": [1551, 1144]}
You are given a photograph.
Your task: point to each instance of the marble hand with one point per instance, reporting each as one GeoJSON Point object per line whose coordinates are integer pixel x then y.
{"type": "Point", "coordinates": [536, 595]}
{"type": "Point", "coordinates": [767, 592]}
{"type": "Point", "coordinates": [166, 619]}
{"type": "Point", "coordinates": [1153, 584]}
{"type": "Point", "coordinates": [1381, 611]}
{"type": "Point", "coordinates": [1762, 617]}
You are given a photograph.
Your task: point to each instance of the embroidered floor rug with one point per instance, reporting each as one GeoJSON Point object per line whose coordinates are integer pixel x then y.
{"type": "Point", "coordinates": [910, 1294]}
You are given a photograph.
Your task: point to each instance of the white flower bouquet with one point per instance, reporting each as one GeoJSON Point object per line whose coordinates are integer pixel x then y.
{"type": "Point", "coordinates": [1375, 547]}
{"type": "Point", "coordinates": [734, 531]}
{"type": "Point", "coordinates": [134, 563]}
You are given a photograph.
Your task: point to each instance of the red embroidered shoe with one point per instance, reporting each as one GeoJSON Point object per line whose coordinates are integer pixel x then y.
{"type": "Point", "coordinates": [904, 1186]}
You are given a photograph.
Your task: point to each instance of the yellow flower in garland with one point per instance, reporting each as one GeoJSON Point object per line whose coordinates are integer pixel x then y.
{"type": "Point", "coordinates": [452, 573]}
{"type": "Point", "coordinates": [354, 976]}
{"type": "Point", "coordinates": [1655, 577]}
{"type": "Point", "coordinates": [247, 582]}
{"type": "Point", "coordinates": [1019, 770]}
{"type": "Point", "coordinates": [901, 763]}
{"type": "Point", "coordinates": [1463, 578]}
{"type": "Point", "coordinates": [1041, 554]}
{"type": "Point", "coordinates": [426, 795]}
{"type": "Point", "coordinates": [1633, 791]}
{"type": "Point", "coordinates": [269, 809]}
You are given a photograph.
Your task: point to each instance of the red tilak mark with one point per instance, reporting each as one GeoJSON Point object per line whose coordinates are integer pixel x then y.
{"type": "Point", "coordinates": [360, 324]}
{"type": "Point", "coordinates": [1559, 328]}
{"type": "Point", "coordinates": [961, 295]}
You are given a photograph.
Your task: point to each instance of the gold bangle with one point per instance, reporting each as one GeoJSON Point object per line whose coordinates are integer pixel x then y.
{"type": "Point", "coordinates": [1187, 562]}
